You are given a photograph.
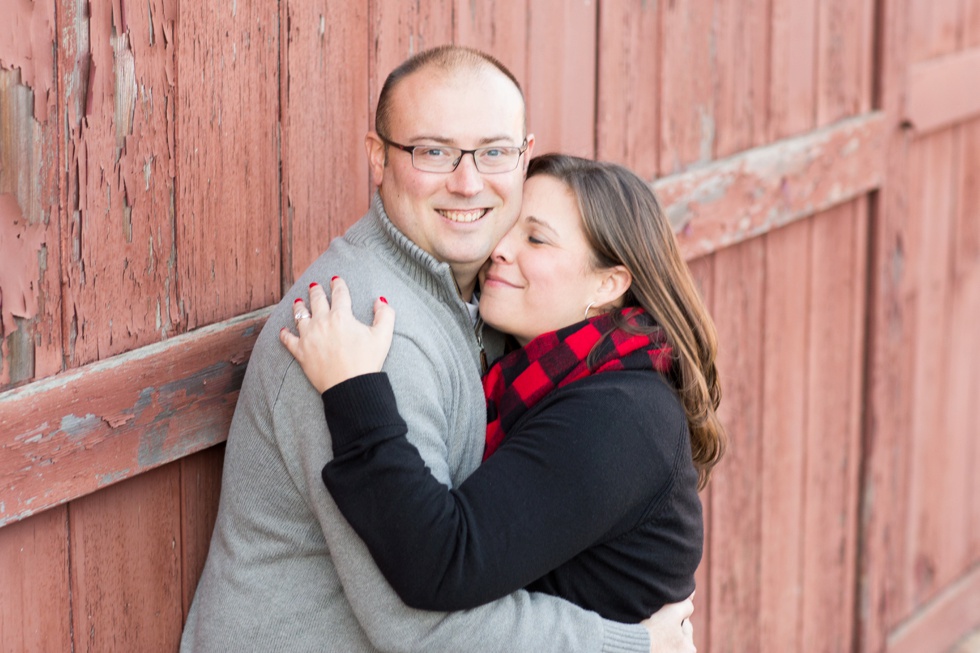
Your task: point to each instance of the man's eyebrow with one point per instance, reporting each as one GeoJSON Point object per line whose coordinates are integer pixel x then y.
{"type": "Point", "coordinates": [442, 140]}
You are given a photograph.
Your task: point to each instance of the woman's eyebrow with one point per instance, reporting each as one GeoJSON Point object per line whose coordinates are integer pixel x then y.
{"type": "Point", "coordinates": [541, 223]}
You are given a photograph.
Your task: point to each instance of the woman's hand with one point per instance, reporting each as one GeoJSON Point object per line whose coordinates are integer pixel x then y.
{"type": "Point", "coordinates": [332, 345]}
{"type": "Point", "coordinates": [670, 628]}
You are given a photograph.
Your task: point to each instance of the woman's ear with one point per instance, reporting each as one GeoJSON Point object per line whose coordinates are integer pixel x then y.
{"type": "Point", "coordinates": [615, 281]}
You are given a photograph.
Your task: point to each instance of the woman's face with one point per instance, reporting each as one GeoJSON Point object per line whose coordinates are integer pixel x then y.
{"type": "Point", "coordinates": [540, 276]}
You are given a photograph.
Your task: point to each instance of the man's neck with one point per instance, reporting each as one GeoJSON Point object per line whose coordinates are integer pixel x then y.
{"type": "Point", "coordinates": [466, 284]}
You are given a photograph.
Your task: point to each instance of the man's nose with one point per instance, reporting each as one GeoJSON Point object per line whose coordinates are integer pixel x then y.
{"type": "Point", "coordinates": [465, 179]}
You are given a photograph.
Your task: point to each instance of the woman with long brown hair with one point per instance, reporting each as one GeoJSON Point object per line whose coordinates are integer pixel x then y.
{"type": "Point", "coordinates": [602, 422]}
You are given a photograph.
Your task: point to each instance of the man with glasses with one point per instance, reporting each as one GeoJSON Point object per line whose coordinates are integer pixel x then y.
{"type": "Point", "coordinates": [285, 571]}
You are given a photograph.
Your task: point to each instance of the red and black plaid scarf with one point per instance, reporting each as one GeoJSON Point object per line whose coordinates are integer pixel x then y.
{"type": "Point", "coordinates": [523, 377]}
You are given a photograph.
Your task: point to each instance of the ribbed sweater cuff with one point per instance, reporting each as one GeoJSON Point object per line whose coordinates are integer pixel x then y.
{"type": "Point", "coordinates": [625, 638]}
{"type": "Point", "coordinates": [360, 411]}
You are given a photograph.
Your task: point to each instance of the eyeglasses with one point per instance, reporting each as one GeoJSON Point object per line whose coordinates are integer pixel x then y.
{"type": "Point", "coordinates": [440, 158]}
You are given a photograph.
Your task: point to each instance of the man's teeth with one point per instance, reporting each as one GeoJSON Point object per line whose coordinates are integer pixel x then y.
{"type": "Point", "coordinates": [463, 216]}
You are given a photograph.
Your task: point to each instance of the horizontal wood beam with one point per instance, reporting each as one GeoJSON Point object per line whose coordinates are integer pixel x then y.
{"type": "Point", "coordinates": [943, 621]}
{"type": "Point", "coordinates": [73, 433]}
{"type": "Point", "coordinates": [76, 432]}
{"type": "Point", "coordinates": [746, 195]}
{"type": "Point", "coordinates": [943, 91]}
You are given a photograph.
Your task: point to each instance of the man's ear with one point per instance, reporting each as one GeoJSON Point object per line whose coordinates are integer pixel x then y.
{"type": "Point", "coordinates": [377, 155]}
{"type": "Point", "coordinates": [615, 281]}
{"type": "Point", "coordinates": [529, 152]}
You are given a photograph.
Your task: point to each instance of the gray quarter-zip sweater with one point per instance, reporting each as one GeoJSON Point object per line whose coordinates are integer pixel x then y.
{"type": "Point", "coordinates": [285, 571]}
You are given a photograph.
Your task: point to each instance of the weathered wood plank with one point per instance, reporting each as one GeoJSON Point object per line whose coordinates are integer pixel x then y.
{"type": "Point", "coordinates": [888, 396]}
{"type": "Point", "coordinates": [845, 36]}
{"type": "Point", "coordinates": [118, 102]}
{"type": "Point", "coordinates": [792, 83]}
{"type": "Point", "coordinates": [687, 121]}
{"type": "Point", "coordinates": [943, 621]}
{"type": "Point", "coordinates": [125, 572]}
{"type": "Point", "coordinates": [35, 611]}
{"type": "Point", "coordinates": [200, 487]}
{"type": "Point", "coordinates": [741, 46]}
{"type": "Point", "coordinates": [498, 27]}
{"type": "Point", "coordinates": [753, 192]}
{"type": "Point", "coordinates": [560, 90]}
{"type": "Point", "coordinates": [227, 160]}
{"type": "Point", "coordinates": [943, 91]}
{"type": "Point", "coordinates": [937, 543]}
{"type": "Point", "coordinates": [628, 93]}
{"type": "Point", "coordinates": [702, 270]}
{"type": "Point", "coordinates": [30, 265]}
{"type": "Point", "coordinates": [935, 28]}
{"type": "Point", "coordinates": [835, 352]}
{"type": "Point", "coordinates": [784, 434]}
{"type": "Point", "coordinates": [74, 433]}
{"type": "Point", "coordinates": [322, 140]}
{"type": "Point", "coordinates": [736, 492]}
{"type": "Point", "coordinates": [30, 307]}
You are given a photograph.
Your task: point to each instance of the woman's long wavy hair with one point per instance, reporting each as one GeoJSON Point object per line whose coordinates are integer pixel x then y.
{"type": "Point", "coordinates": [626, 226]}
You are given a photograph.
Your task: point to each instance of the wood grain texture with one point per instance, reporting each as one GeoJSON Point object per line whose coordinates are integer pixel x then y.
{"type": "Point", "coordinates": [200, 487]}
{"type": "Point", "coordinates": [35, 598]}
{"type": "Point", "coordinates": [835, 355]}
{"type": "Point", "coordinates": [888, 395]}
{"type": "Point", "coordinates": [499, 27]}
{"type": "Point", "coordinates": [935, 542]}
{"type": "Point", "coordinates": [227, 158]}
{"type": "Point", "coordinates": [687, 120]}
{"type": "Point", "coordinates": [845, 46]}
{"type": "Point", "coordinates": [561, 89]}
{"type": "Point", "coordinates": [116, 70]}
{"type": "Point", "coordinates": [30, 265]}
{"type": "Point", "coordinates": [792, 76]}
{"type": "Point", "coordinates": [323, 113]}
{"type": "Point", "coordinates": [942, 92]}
{"type": "Point", "coordinates": [753, 192]}
{"type": "Point", "coordinates": [125, 571]}
{"type": "Point", "coordinates": [941, 624]}
{"type": "Point", "coordinates": [784, 396]}
{"type": "Point", "coordinates": [83, 430]}
{"type": "Point", "coordinates": [628, 88]}
{"type": "Point", "coordinates": [736, 500]}
{"type": "Point", "coordinates": [741, 60]}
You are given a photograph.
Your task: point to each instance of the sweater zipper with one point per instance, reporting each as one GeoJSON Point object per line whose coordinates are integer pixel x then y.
{"type": "Point", "coordinates": [478, 330]}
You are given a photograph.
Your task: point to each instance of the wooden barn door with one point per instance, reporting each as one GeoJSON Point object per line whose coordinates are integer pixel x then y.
{"type": "Point", "coordinates": [921, 515]}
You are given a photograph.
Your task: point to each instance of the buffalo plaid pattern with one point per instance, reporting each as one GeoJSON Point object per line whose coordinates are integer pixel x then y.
{"type": "Point", "coordinates": [523, 377]}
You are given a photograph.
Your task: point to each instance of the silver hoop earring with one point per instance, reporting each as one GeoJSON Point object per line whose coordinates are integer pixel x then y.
{"type": "Point", "coordinates": [587, 309]}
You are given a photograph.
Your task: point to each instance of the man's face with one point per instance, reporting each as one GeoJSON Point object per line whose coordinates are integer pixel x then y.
{"type": "Point", "coordinates": [459, 216]}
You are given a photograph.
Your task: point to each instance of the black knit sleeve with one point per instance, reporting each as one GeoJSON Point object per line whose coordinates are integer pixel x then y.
{"type": "Point", "coordinates": [586, 462]}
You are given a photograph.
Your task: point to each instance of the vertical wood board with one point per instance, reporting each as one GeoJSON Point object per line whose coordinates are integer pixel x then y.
{"type": "Point", "coordinates": [125, 570]}
{"type": "Point", "coordinates": [228, 195]}
{"type": "Point", "coordinates": [784, 433]}
{"type": "Point", "coordinates": [561, 89]}
{"type": "Point", "coordinates": [200, 487]}
{"type": "Point", "coordinates": [628, 85]}
{"type": "Point", "coordinates": [736, 493]}
{"type": "Point", "coordinates": [34, 595]}
{"type": "Point", "coordinates": [324, 117]}
{"type": "Point", "coordinates": [118, 103]}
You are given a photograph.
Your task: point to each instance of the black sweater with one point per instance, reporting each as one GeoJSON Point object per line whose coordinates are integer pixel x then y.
{"type": "Point", "coordinates": [591, 497]}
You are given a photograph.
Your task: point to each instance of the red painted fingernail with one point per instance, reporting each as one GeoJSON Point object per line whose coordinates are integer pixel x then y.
{"type": "Point", "coordinates": [312, 284]}
{"type": "Point", "coordinates": [383, 299]}
{"type": "Point", "coordinates": [297, 300]}
{"type": "Point", "coordinates": [333, 278]}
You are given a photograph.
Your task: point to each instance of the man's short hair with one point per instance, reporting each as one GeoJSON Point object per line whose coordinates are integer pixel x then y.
{"type": "Point", "coordinates": [448, 58]}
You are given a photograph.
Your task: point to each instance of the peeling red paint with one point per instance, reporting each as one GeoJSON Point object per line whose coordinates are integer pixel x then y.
{"type": "Point", "coordinates": [26, 43]}
{"type": "Point", "coordinates": [20, 244]}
